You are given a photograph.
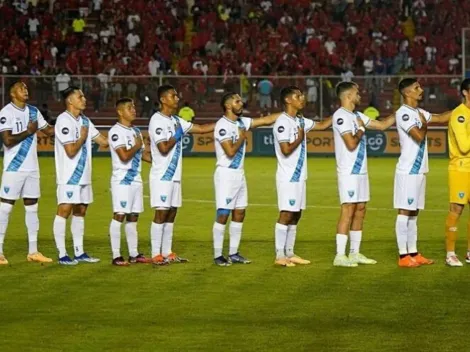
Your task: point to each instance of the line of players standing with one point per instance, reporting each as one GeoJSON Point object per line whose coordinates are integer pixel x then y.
{"type": "Point", "coordinates": [74, 133]}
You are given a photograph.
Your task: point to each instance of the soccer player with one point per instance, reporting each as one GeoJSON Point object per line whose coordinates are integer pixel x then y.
{"type": "Point", "coordinates": [166, 131]}
{"type": "Point", "coordinates": [290, 143]}
{"type": "Point", "coordinates": [127, 151]}
{"type": "Point", "coordinates": [351, 165]}
{"type": "Point", "coordinates": [410, 174]}
{"type": "Point", "coordinates": [18, 125]}
{"type": "Point", "coordinates": [459, 173]}
{"type": "Point", "coordinates": [73, 135]}
{"type": "Point", "coordinates": [229, 177]}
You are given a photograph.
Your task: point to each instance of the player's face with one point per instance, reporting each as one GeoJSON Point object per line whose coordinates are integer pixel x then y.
{"type": "Point", "coordinates": [237, 105]}
{"type": "Point", "coordinates": [77, 100]}
{"type": "Point", "coordinates": [20, 92]}
{"type": "Point", "coordinates": [355, 96]}
{"type": "Point", "coordinates": [171, 99]}
{"type": "Point", "coordinates": [128, 112]}
{"type": "Point", "coordinates": [415, 92]}
{"type": "Point", "coordinates": [298, 100]}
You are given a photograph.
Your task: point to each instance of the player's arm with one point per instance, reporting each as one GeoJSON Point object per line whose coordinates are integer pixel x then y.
{"type": "Point", "coordinates": [352, 141]}
{"type": "Point", "coordinates": [264, 120]}
{"type": "Point", "coordinates": [459, 126]}
{"type": "Point", "coordinates": [43, 126]}
{"type": "Point", "coordinates": [127, 154]}
{"type": "Point", "coordinates": [147, 156]}
{"type": "Point", "coordinates": [382, 125]}
{"type": "Point", "coordinates": [101, 140]}
{"type": "Point", "coordinates": [283, 136]}
{"type": "Point", "coordinates": [48, 131]}
{"type": "Point", "coordinates": [323, 124]}
{"type": "Point", "coordinates": [72, 148]}
{"type": "Point", "coordinates": [441, 118]}
{"type": "Point", "coordinates": [230, 148]}
{"type": "Point", "coordinates": [206, 128]}
{"type": "Point", "coordinates": [10, 140]}
{"type": "Point", "coordinates": [419, 134]}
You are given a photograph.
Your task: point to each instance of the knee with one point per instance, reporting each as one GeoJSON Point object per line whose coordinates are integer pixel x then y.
{"type": "Point", "coordinates": [238, 215]}
{"type": "Point", "coordinates": [222, 216]}
{"type": "Point", "coordinates": [6, 208]}
{"type": "Point", "coordinates": [33, 208]}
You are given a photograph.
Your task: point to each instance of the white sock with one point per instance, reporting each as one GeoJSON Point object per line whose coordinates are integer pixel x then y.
{"type": "Point", "coordinates": [290, 242]}
{"type": "Point", "coordinates": [401, 229]}
{"type": "Point", "coordinates": [5, 210]}
{"type": "Point", "coordinates": [450, 254]}
{"type": "Point", "coordinates": [167, 238]}
{"type": "Point", "coordinates": [59, 234]}
{"type": "Point", "coordinates": [132, 238]}
{"type": "Point", "coordinates": [218, 231]}
{"type": "Point", "coordinates": [412, 241]}
{"type": "Point", "coordinates": [115, 235]}
{"type": "Point", "coordinates": [235, 231]}
{"type": "Point", "coordinates": [78, 230]}
{"type": "Point", "coordinates": [32, 224]}
{"type": "Point", "coordinates": [355, 238]}
{"type": "Point", "coordinates": [280, 234]}
{"type": "Point", "coordinates": [156, 235]}
{"type": "Point", "coordinates": [341, 242]}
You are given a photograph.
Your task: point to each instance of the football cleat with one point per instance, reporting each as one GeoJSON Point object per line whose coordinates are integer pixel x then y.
{"type": "Point", "coordinates": [408, 262]}
{"type": "Point", "coordinates": [422, 260]}
{"type": "Point", "coordinates": [284, 262]}
{"type": "Point", "coordinates": [297, 260]}
{"type": "Point", "coordinates": [173, 258]}
{"type": "Point", "coordinates": [38, 257]}
{"type": "Point", "coordinates": [467, 258]}
{"type": "Point", "coordinates": [85, 258]}
{"type": "Point", "coordinates": [238, 259]}
{"type": "Point", "coordinates": [221, 261]}
{"type": "Point", "coordinates": [119, 261]}
{"type": "Point", "coordinates": [159, 260]}
{"type": "Point", "coordinates": [453, 260]}
{"type": "Point", "coordinates": [3, 260]}
{"type": "Point", "coordinates": [66, 260]}
{"type": "Point", "coordinates": [359, 258]}
{"type": "Point", "coordinates": [140, 258]}
{"type": "Point", "coordinates": [343, 261]}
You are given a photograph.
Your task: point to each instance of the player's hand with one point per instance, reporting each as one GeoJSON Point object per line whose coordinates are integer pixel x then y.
{"type": "Point", "coordinates": [179, 133]}
{"type": "Point", "coordinates": [138, 141]}
{"type": "Point", "coordinates": [302, 122]}
{"type": "Point", "coordinates": [84, 131]}
{"type": "Point", "coordinates": [242, 133]}
{"type": "Point", "coordinates": [422, 118]}
{"type": "Point", "coordinates": [360, 123]}
{"type": "Point", "coordinates": [32, 127]}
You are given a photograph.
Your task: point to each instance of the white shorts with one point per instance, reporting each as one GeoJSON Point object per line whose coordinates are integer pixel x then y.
{"type": "Point", "coordinates": [127, 199]}
{"type": "Point", "coordinates": [74, 194]}
{"type": "Point", "coordinates": [230, 189]}
{"type": "Point", "coordinates": [353, 188]}
{"type": "Point", "coordinates": [17, 184]}
{"type": "Point", "coordinates": [291, 196]}
{"type": "Point", "coordinates": [409, 192]}
{"type": "Point", "coordinates": [165, 194]}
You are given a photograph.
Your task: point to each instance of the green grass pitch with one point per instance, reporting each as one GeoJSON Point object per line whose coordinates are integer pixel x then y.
{"type": "Point", "coordinates": [258, 307]}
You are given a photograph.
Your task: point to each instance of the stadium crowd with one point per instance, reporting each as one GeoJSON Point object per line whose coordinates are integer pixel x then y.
{"type": "Point", "coordinates": [140, 37]}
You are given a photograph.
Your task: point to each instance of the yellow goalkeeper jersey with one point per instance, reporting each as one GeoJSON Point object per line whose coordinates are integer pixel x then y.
{"type": "Point", "coordinates": [459, 139]}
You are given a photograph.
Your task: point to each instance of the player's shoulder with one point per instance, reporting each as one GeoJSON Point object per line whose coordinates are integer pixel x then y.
{"type": "Point", "coordinates": [340, 117]}
{"type": "Point", "coordinates": [405, 113]}
{"type": "Point", "coordinates": [283, 119]}
{"type": "Point", "coordinates": [460, 114]}
{"type": "Point", "coordinates": [7, 110]}
{"type": "Point", "coordinates": [159, 119]}
{"type": "Point", "coordinates": [32, 108]}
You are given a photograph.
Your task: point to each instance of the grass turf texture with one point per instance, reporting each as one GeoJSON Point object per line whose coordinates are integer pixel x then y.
{"type": "Point", "coordinates": [201, 307]}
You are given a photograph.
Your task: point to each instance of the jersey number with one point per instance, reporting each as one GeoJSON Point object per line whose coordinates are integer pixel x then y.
{"type": "Point", "coordinates": [129, 143]}
{"type": "Point", "coordinates": [19, 126]}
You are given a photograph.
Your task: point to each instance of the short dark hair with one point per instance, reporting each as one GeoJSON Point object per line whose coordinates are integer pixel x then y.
{"type": "Point", "coordinates": [13, 84]}
{"type": "Point", "coordinates": [405, 83]}
{"type": "Point", "coordinates": [342, 87]}
{"type": "Point", "coordinates": [465, 85]}
{"type": "Point", "coordinates": [123, 101]}
{"type": "Point", "coordinates": [226, 97]}
{"type": "Point", "coordinates": [68, 91]}
{"type": "Point", "coordinates": [162, 90]}
{"type": "Point", "coordinates": [285, 92]}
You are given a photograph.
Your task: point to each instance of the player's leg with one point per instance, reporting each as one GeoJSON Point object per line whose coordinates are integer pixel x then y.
{"type": "Point", "coordinates": [6, 206]}
{"type": "Point", "coordinates": [160, 200]}
{"type": "Point", "coordinates": [60, 222]}
{"type": "Point", "coordinates": [235, 231]}
{"type": "Point", "coordinates": [292, 228]}
{"type": "Point", "coordinates": [130, 227]}
{"type": "Point", "coordinates": [115, 236]}
{"type": "Point", "coordinates": [458, 197]}
{"type": "Point", "coordinates": [355, 236]}
{"type": "Point", "coordinates": [218, 232]}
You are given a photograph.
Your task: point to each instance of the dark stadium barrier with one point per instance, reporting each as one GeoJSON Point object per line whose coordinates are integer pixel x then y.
{"type": "Point", "coordinates": [261, 143]}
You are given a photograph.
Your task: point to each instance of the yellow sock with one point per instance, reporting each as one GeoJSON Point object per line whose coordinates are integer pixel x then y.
{"type": "Point", "coordinates": [451, 231]}
{"type": "Point", "coordinates": [468, 235]}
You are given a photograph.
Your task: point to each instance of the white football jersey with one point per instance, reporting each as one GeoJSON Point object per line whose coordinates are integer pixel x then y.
{"type": "Point", "coordinates": [23, 156]}
{"type": "Point", "coordinates": [349, 162]}
{"type": "Point", "coordinates": [125, 173]}
{"type": "Point", "coordinates": [292, 168]}
{"type": "Point", "coordinates": [76, 170]}
{"type": "Point", "coordinates": [162, 128]}
{"type": "Point", "coordinates": [413, 156]}
{"type": "Point", "coordinates": [226, 129]}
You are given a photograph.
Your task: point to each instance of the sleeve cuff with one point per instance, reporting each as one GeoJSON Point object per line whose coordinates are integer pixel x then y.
{"type": "Point", "coordinates": [409, 129]}
{"type": "Point", "coordinates": [344, 132]}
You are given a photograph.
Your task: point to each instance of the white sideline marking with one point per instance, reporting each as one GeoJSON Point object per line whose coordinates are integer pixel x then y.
{"type": "Point", "coordinates": [205, 201]}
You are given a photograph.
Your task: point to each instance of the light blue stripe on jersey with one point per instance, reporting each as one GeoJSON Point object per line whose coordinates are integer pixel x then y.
{"type": "Point", "coordinates": [237, 159]}
{"type": "Point", "coordinates": [419, 158]}
{"type": "Point", "coordinates": [78, 172]}
{"type": "Point", "coordinates": [300, 164]}
{"type": "Point", "coordinates": [170, 172]}
{"type": "Point", "coordinates": [26, 144]}
{"type": "Point", "coordinates": [134, 170]}
{"type": "Point", "coordinates": [360, 157]}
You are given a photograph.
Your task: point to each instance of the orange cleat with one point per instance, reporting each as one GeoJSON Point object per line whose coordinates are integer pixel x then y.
{"type": "Point", "coordinates": [408, 262]}
{"type": "Point", "coordinates": [159, 260]}
{"type": "Point", "coordinates": [422, 260]}
{"type": "Point", "coordinates": [38, 257]}
{"type": "Point", "coordinates": [173, 258]}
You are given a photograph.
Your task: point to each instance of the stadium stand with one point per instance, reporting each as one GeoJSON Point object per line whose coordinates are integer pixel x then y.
{"type": "Point", "coordinates": [127, 47]}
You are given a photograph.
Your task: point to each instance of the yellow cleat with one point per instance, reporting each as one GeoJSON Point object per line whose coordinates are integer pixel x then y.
{"type": "Point", "coordinates": [297, 260]}
{"type": "Point", "coordinates": [3, 260]}
{"type": "Point", "coordinates": [38, 257]}
{"type": "Point", "coordinates": [284, 262]}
